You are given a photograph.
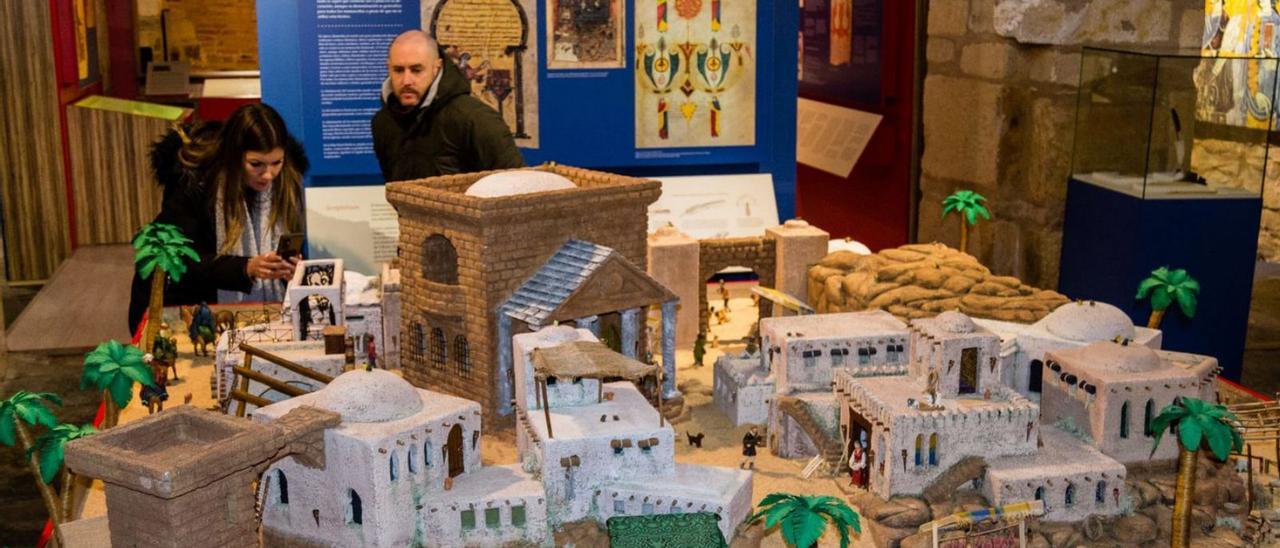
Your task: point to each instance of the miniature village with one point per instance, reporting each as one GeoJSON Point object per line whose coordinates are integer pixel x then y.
{"type": "Point", "coordinates": [536, 369]}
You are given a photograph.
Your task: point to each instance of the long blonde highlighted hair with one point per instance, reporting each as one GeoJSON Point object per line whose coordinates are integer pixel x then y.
{"type": "Point", "coordinates": [220, 156]}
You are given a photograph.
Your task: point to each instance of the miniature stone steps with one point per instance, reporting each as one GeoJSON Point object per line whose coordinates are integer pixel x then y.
{"type": "Point", "coordinates": [960, 473]}
{"type": "Point", "coordinates": [829, 446]}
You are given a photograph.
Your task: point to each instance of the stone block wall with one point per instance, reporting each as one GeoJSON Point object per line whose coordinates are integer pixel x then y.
{"type": "Point", "coordinates": [999, 109]}
{"type": "Point", "coordinates": [210, 34]}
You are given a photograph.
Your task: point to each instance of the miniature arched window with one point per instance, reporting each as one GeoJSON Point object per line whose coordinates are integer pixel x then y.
{"type": "Point", "coordinates": [1124, 420]}
{"type": "Point", "coordinates": [1040, 493]}
{"type": "Point", "coordinates": [439, 260]}
{"type": "Point", "coordinates": [1070, 497]}
{"type": "Point", "coordinates": [1148, 414]}
{"type": "Point", "coordinates": [919, 444]}
{"type": "Point", "coordinates": [412, 459]}
{"type": "Point", "coordinates": [355, 510]}
{"type": "Point", "coordinates": [1100, 494]}
{"type": "Point", "coordinates": [394, 462]}
{"type": "Point", "coordinates": [426, 453]}
{"type": "Point", "coordinates": [282, 484]}
{"type": "Point", "coordinates": [462, 355]}
{"type": "Point", "coordinates": [419, 341]}
{"type": "Point", "coordinates": [439, 354]}
{"type": "Point", "coordinates": [933, 449]}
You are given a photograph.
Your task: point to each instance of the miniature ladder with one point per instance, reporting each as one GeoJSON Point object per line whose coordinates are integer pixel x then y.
{"type": "Point", "coordinates": [814, 464]}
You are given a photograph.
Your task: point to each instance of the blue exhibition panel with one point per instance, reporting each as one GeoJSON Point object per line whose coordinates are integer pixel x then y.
{"type": "Point", "coordinates": [1111, 241]}
{"type": "Point", "coordinates": [586, 116]}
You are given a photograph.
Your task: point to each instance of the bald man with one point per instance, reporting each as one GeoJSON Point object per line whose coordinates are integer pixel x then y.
{"type": "Point", "coordinates": [429, 123]}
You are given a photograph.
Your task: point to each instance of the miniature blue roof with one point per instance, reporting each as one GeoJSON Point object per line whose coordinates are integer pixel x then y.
{"type": "Point", "coordinates": [560, 278]}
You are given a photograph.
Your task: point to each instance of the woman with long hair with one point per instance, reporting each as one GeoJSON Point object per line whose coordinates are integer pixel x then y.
{"type": "Point", "coordinates": [233, 189]}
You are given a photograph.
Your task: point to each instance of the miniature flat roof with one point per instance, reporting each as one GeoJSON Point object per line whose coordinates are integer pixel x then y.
{"type": "Point", "coordinates": [689, 481]}
{"type": "Point", "coordinates": [491, 482]}
{"type": "Point", "coordinates": [894, 392]}
{"type": "Point", "coordinates": [743, 370]}
{"type": "Point", "coordinates": [590, 359]}
{"type": "Point", "coordinates": [567, 271]}
{"type": "Point", "coordinates": [636, 416]}
{"type": "Point", "coordinates": [1061, 455]}
{"type": "Point", "coordinates": [862, 325]}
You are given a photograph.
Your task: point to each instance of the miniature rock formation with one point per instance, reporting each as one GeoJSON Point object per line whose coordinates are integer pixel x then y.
{"type": "Point", "coordinates": [922, 280]}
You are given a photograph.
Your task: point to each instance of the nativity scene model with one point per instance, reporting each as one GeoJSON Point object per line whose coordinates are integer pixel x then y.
{"type": "Point", "coordinates": [512, 378]}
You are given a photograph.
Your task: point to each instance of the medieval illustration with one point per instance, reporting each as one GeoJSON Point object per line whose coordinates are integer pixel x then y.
{"type": "Point", "coordinates": [494, 43]}
{"type": "Point", "coordinates": [695, 73]}
{"type": "Point", "coordinates": [585, 34]}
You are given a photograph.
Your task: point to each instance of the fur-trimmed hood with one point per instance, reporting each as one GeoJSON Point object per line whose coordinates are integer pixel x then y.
{"type": "Point", "coordinates": [169, 172]}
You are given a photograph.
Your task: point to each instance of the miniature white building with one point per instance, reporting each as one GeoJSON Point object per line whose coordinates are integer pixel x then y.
{"type": "Point", "coordinates": [368, 307]}
{"type": "Point", "coordinates": [1113, 391]}
{"type": "Point", "coordinates": [604, 451]}
{"type": "Point", "coordinates": [803, 352]}
{"type": "Point", "coordinates": [1071, 325]}
{"type": "Point", "coordinates": [1072, 478]}
{"type": "Point", "coordinates": [742, 388]}
{"type": "Point", "coordinates": [386, 464]}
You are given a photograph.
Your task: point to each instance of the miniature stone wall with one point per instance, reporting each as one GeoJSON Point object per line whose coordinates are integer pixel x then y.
{"type": "Point", "coordinates": [461, 257]}
{"type": "Point", "coordinates": [999, 109]}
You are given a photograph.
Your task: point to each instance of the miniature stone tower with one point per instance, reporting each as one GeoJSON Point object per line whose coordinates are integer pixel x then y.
{"type": "Point", "coordinates": [463, 253]}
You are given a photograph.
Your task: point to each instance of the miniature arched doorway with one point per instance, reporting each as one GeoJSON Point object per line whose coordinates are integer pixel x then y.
{"type": "Point", "coordinates": [453, 451]}
{"type": "Point", "coordinates": [439, 260]}
{"type": "Point", "coordinates": [859, 430]}
{"type": "Point", "coordinates": [969, 371]}
{"type": "Point", "coordinates": [730, 319]}
{"type": "Point", "coordinates": [1035, 380]}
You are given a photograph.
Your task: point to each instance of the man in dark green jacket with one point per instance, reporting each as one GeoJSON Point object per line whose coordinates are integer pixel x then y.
{"type": "Point", "coordinates": [429, 123]}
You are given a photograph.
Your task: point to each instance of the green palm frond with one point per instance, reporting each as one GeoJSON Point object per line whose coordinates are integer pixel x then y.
{"type": "Point", "coordinates": [1165, 287]}
{"type": "Point", "coordinates": [1199, 423]}
{"type": "Point", "coordinates": [803, 518]}
{"type": "Point", "coordinates": [968, 204]}
{"type": "Point", "coordinates": [29, 407]}
{"type": "Point", "coordinates": [51, 447]}
{"type": "Point", "coordinates": [114, 367]}
{"type": "Point", "coordinates": [163, 246]}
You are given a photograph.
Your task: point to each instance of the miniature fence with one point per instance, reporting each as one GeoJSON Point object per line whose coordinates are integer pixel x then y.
{"type": "Point", "coordinates": [245, 374]}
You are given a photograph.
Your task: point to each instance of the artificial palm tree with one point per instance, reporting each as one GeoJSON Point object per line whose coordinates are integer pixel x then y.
{"type": "Point", "coordinates": [49, 450]}
{"type": "Point", "coordinates": [161, 252]}
{"type": "Point", "coordinates": [968, 204]}
{"type": "Point", "coordinates": [32, 409]}
{"type": "Point", "coordinates": [1197, 423]}
{"type": "Point", "coordinates": [1166, 287]}
{"type": "Point", "coordinates": [112, 368]}
{"type": "Point", "coordinates": [804, 518]}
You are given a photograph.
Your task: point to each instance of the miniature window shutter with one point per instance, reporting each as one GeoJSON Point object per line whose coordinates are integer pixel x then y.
{"type": "Point", "coordinates": [492, 519]}
{"type": "Point", "coordinates": [517, 515]}
{"type": "Point", "coordinates": [468, 520]}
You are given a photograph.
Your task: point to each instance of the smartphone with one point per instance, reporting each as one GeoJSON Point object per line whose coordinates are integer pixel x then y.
{"type": "Point", "coordinates": [290, 245]}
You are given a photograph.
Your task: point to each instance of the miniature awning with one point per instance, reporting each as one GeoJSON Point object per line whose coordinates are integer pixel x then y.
{"type": "Point", "coordinates": [587, 359]}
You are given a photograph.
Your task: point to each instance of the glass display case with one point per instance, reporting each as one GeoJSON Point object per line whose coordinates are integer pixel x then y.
{"type": "Point", "coordinates": [1177, 125]}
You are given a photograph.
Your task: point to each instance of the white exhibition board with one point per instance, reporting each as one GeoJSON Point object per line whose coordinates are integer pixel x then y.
{"type": "Point", "coordinates": [356, 224]}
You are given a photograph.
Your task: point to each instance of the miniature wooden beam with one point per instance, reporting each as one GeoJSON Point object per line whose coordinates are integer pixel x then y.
{"type": "Point", "coordinates": [546, 407]}
{"type": "Point", "coordinates": [307, 372]}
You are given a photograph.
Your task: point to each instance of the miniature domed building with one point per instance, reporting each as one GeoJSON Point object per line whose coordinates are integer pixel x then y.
{"type": "Point", "coordinates": [369, 396]}
{"type": "Point", "coordinates": [514, 183]}
{"type": "Point", "coordinates": [1089, 321]}
{"type": "Point", "coordinates": [1113, 392]}
{"type": "Point", "coordinates": [955, 322]}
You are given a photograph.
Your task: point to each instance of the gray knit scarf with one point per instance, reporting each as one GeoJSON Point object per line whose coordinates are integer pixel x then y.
{"type": "Point", "coordinates": [256, 238]}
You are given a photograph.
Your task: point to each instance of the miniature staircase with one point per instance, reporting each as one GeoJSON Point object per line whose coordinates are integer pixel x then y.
{"type": "Point", "coordinates": [829, 447]}
{"type": "Point", "coordinates": [960, 473]}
